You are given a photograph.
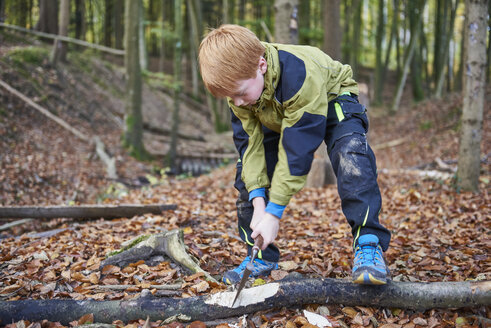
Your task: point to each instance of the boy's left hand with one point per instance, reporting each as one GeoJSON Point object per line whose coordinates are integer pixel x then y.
{"type": "Point", "coordinates": [267, 226]}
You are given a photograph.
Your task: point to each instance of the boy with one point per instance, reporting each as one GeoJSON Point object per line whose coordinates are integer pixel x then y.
{"type": "Point", "coordinates": [285, 100]}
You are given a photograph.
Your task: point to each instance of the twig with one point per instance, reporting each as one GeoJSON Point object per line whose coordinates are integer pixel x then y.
{"type": "Point", "coordinates": [13, 224]}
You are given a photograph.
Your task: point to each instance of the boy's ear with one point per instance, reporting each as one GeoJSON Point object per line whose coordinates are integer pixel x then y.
{"type": "Point", "coordinates": [263, 65]}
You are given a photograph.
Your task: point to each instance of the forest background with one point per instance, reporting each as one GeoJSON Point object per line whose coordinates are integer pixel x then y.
{"type": "Point", "coordinates": [142, 95]}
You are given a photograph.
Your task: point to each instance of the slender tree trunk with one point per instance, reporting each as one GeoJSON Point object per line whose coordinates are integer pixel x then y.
{"type": "Point", "coordinates": [194, 45]}
{"type": "Point", "coordinates": [177, 84]}
{"type": "Point", "coordinates": [141, 39]}
{"type": "Point", "coordinates": [446, 50]}
{"type": "Point", "coordinates": [47, 10]}
{"type": "Point", "coordinates": [409, 57]}
{"type": "Point", "coordinates": [2, 11]}
{"type": "Point", "coordinates": [357, 24]}
{"type": "Point", "coordinates": [133, 134]}
{"type": "Point", "coordinates": [474, 86]}
{"type": "Point", "coordinates": [417, 61]}
{"type": "Point", "coordinates": [162, 39]}
{"type": "Point", "coordinates": [488, 79]}
{"type": "Point", "coordinates": [60, 47]}
{"type": "Point", "coordinates": [80, 25]}
{"type": "Point", "coordinates": [459, 81]}
{"type": "Point", "coordinates": [333, 34]}
{"type": "Point", "coordinates": [379, 38]}
{"type": "Point", "coordinates": [438, 35]}
{"type": "Point", "coordinates": [108, 22]}
{"type": "Point", "coordinates": [284, 10]}
{"type": "Point", "coordinates": [225, 14]}
{"type": "Point", "coordinates": [118, 24]}
{"type": "Point", "coordinates": [393, 32]}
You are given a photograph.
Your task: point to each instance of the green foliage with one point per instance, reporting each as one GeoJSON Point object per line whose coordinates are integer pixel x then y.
{"type": "Point", "coordinates": [28, 55]}
{"type": "Point", "coordinates": [314, 35]}
{"type": "Point", "coordinates": [158, 80]}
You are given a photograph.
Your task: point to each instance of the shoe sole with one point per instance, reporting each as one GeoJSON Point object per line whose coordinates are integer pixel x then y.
{"type": "Point", "coordinates": [366, 278]}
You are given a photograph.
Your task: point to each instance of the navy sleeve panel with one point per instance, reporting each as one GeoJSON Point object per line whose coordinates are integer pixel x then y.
{"type": "Point", "coordinates": [292, 76]}
{"type": "Point", "coordinates": [301, 141]}
{"type": "Point", "coordinates": [241, 138]}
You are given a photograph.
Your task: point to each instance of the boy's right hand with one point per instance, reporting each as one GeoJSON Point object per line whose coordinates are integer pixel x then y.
{"type": "Point", "coordinates": [263, 223]}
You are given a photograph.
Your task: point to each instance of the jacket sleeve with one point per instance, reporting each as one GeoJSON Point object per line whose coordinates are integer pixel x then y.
{"type": "Point", "coordinates": [302, 131]}
{"type": "Point", "coordinates": [248, 139]}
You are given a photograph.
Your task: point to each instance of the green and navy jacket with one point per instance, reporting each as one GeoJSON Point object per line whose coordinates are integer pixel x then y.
{"type": "Point", "coordinates": [298, 84]}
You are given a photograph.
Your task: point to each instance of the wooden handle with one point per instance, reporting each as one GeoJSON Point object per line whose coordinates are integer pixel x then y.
{"type": "Point", "coordinates": [258, 242]}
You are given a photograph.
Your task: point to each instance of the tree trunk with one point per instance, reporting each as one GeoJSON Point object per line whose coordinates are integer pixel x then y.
{"type": "Point", "coordinates": [379, 38]}
{"type": "Point", "coordinates": [60, 47]}
{"type": "Point", "coordinates": [284, 22]}
{"type": "Point", "coordinates": [133, 134]}
{"type": "Point", "coordinates": [393, 32]}
{"type": "Point", "coordinates": [118, 24]}
{"type": "Point", "coordinates": [108, 23]}
{"type": "Point", "coordinates": [287, 293]}
{"type": "Point", "coordinates": [446, 50]}
{"type": "Point", "coordinates": [47, 10]}
{"type": "Point", "coordinates": [2, 11]}
{"type": "Point", "coordinates": [142, 42]}
{"type": "Point", "coordinates": [80, 25]}
{"type": "Point", "coordinates": [407, 63]}
{"type": "Point", "coordinates": [172, 156]}
{"type": "Point", "coordinates": [333, 34]}
{"type": "Point", "coordinates": [194, 40]}
{"type": "Point", "coordinates": [356, 44]}
{"type": "Point", "coordinates": [475, 80]}
{"type": "Point", "coordinates": [416, 63]}
{"type": "Point", "coordinates": [82, 211]}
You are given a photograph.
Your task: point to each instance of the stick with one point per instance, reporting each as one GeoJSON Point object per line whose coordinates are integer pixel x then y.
{"type": "Point", "coordinates": [82, 211]}
{"type": "Point", "coordinates": [123, 287]}
{"type": "Point", "coordinates": [13, 224]}
{"type": "Point", "coordinates": [66, 39]}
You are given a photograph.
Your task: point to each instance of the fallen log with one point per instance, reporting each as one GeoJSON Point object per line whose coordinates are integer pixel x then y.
{"type": "Point", "coordinates": [82, 211]}
{"type": "Point", "coordinates": [286, 293]}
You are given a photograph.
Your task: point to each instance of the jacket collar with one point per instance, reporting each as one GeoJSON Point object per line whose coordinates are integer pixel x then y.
{"type": "Point", "coordinates": [271, 77]}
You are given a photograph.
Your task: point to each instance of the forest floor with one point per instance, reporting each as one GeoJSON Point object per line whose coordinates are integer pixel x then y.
{"type": "Point", "coordinates": [438, 233]}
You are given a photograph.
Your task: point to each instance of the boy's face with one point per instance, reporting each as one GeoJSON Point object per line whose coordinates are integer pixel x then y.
{"type": "Point", "coordinates": [249, 91]}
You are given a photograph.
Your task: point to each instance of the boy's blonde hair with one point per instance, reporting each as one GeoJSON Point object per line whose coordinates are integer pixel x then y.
{"type": "Point", "coordinates": [227, 55]}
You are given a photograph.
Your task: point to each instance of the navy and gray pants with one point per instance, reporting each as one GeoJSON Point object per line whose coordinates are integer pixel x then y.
{"type": "Point", "coordinates": [353, 162]}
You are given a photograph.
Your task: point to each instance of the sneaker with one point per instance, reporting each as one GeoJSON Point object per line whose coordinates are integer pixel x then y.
{"type": "Point", "coordinates": [261, 267]}
{"type": "Point", "coordinates": [369, 266]}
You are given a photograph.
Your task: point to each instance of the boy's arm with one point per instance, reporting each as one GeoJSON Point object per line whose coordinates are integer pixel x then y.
{"type": "Point", "coordinates": [302, 131]}
{"type": "Point", "coordinates": [248, 139]}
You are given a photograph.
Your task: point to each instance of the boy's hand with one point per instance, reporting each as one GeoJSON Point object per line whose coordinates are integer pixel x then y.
{"type": "Point", "coordinates": [263, 223]}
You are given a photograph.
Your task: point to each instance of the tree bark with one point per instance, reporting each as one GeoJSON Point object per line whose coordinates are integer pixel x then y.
{"type": "Point", "coordinates": [409, 57]}
{"type": "Point", "coordinates": [284, 10]}
{"type": "Point", "coordinates": [379, 38]}
{"type": "Point", "coordinates": [286, 293]}
{"type": "Point", "coordinates": [133, 134]}
{"type": "Point", "coordinates": [333, 34]}
{"type": "Point", "coordinates": [475, 80]}
{"type": "Point", "coordinates": [60, 47]}
{"type": "Point", "coordinates": [47, 10]}
{"type": "Point", "coordinates": [82, 211]}
{"type": "Point", "coordinates": [172, 156]}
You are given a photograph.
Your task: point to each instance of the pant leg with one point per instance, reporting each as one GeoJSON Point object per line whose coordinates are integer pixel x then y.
{"type": "Point", "coordinates": [355, 167]}
{"type": "Point", "coordinates": [245, 209]}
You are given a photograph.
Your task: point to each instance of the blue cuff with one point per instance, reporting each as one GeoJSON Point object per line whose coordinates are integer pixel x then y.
{"type": "Point", "coordinates": [275, 209]}
{"type": "Point", "coordinates": [259, 192]}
